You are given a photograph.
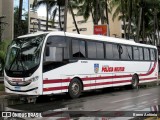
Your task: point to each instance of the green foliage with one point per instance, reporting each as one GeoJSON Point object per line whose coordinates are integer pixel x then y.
{"type": "Point", "coordinates": [98, 9]}
{"type": "Point", "coordinates": [129, 10]}
{"type": "Point", "coordinates": [22, 27]}
{"type": "Point", "coordinates": [3, 50]}
{"type": "Point", "coordinates": [2, 87]}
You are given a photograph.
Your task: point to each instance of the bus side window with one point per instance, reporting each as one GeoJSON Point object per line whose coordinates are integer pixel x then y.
{"type": "Point", "coordinates": [100, 50]}
{"type": "Point", "coordinates": [136, 53]}
{"type": "Point", "coordinates": [146, 54]}
{"type": "Point", "coordinates": [91, 48]}
{"type": "Point", "coordinates": [153, 54]}
{"type": "Point", "coordinates": [109, 51]}
{"type": "Point", "coordinates": [141, 53]}
{"type": "Point", "coordinates": [78, 49]}
{"type": "Point", "coordinates": [116, 50]}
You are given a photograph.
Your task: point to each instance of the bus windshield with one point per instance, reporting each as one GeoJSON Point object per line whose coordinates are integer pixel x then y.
{"type": "Point", "coordinates": [24, 55]}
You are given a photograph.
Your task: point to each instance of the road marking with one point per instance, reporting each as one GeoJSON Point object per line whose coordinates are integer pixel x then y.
{"type": "Point", "coordinates": [125, 107]}
{"type": "Point", "coordinates": [130, 98]}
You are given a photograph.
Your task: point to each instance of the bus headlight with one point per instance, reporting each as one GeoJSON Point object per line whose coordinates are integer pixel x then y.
{"type": "Point", "coordinates": [33, 79]}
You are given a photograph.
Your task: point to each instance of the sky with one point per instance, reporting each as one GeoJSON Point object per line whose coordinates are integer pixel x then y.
{"type": "Point", "coordinates": [41, 11]}
{"type": "Point", "coordinates": [25, 6]}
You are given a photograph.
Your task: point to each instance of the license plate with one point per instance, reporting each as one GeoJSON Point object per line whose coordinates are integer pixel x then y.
{"type": "Point", "coordinates": [17, 88]}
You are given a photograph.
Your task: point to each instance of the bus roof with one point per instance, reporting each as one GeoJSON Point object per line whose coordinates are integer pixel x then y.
{"type": "Point", "coordinates": [91, 37]}
{"type": "Point", "coordinates": [109, 39]}
{"type": "Point", "coordinates": [32, 34]}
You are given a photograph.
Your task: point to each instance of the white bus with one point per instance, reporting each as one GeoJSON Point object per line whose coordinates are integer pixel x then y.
{"type": "Point", "coordinates": [56, 62]}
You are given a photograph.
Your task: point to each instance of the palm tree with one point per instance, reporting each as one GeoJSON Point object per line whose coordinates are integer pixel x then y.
{"type": "Point", "coordinates": [94, 8]}
{"type": "Point", "coordinates": [72, 4]}
{"type": "Point", "coordinates": [49, 5]}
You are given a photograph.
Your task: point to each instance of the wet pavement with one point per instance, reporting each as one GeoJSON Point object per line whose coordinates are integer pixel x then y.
{"type": "Point", "coordinates": [109, 103]}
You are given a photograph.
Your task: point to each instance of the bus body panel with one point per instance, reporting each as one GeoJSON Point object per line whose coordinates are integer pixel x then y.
{"type": "Point", "coordinates": [94, 74]}
{"type": "Point", "coordinates": [120, 75]}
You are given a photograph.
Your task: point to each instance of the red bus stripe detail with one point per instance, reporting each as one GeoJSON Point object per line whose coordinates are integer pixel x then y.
{"type": "Point", "coordinates": [152, 78]}
{"type": "Point", "coordinates": [106, 83]}
{"type": "Point", "coordinates": [106, 77]}
{"type": "Point", "coordinates": [99, 78]}
{"type": "Point", "coordinates": [151, 71]}
{"type": "Point", "coordinates": [55, 88]}
{"type": "Point", "coordinates": [55, 81]}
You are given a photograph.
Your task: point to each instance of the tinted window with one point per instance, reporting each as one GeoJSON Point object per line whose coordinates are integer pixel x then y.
{"type": "Point", "coordinates": [75, 48]}
{"type": "Point", "coordinates": [82, 48]}
{"type": "Point", "coordinates": [100, 50]}
{"type": "Point", "coordinates": [153, 54]}
{"type": "Point", "coordinates": [129, 52]}
{"type": "Point", "coordinates": [123, 52]}
{"type": "Point", "coordinates": [146, 54]}
{"type": "Point", "coordinates": [115, 51]}
{"type": "Point", "coordinates": [109, 51]}
{"type": "Point", "coordinates": [56, 41]}
{"type": "Point", "coordinates": [91, 46]}
{"type": "Point", "coordinates": [136, 53]}
{"type": "Point", "coordinates": [141, 53]}
{"type": "Point", "coordinates": [78, 49]}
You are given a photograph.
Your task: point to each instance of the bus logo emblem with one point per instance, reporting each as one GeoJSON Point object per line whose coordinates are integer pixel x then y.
{"type": "Point", "coordinates": [96, 68]}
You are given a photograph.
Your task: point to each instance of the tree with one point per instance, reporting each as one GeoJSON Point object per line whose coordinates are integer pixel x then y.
{"type": "Point", "coordinates": [3, 49]}
{"type": "Point", "coordinates": [49, 5]}
{"type": "Point", "coordinates": [72, 4]}
{"type": "Point", "coordinates": [22, 27]}
{"type": "Point", "coordinates": [95, 8]}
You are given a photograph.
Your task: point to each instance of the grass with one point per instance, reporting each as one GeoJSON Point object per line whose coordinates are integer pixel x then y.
{"type": "Point", "coordinates": [1, 87]}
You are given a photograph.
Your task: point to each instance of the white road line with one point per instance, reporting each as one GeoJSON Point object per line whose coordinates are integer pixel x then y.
{"type": "Point", "coordinates": [125, 107]}
{"type": "Point", "coordinates": [130, 98]}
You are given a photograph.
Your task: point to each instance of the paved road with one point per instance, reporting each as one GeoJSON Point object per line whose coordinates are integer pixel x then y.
{"type": "Point", "coordinates": [118, 99]}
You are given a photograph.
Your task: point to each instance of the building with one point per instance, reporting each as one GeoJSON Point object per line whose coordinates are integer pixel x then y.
{"type": "Point", "coordinates": [38, 23]}
{"type": "Point", "coordinates": [86, 27]}
{"type": "Point", "coordinates": [6, 19]}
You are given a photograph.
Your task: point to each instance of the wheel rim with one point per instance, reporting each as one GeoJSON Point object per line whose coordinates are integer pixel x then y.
{"type": "Point", "coordinates": [75, 88]}
{"type": "Point", "coordinates": [134, 82]}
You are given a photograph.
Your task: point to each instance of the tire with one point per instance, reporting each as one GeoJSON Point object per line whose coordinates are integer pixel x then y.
{"type": "Point", "coordinates": [135, 82]}
{"type": "Point", "coordinates": [75, 88]}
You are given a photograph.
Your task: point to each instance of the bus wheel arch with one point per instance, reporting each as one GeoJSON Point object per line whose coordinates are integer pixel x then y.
{"type": "Point", "coordinates": [75, 87]}
{"type": "Point", "coordinates": [135, 81]}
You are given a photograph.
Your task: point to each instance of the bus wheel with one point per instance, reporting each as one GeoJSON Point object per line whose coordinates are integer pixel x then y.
{"type": "Point", "coordinates": [135, 82]}
{"type": "Point", "coordinates": [75, 88]}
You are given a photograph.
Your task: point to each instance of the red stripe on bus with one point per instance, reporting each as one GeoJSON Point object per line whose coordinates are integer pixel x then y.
{"type": "Point", "coordinates": [151, 71]}
{"type": "Point", "coordinates": [106, 83]}
{"type": "Point", "coordinates": [99, 78]}
{"type": "Point", "coordinates": [95, 84]}
{"type": "Point", "coordinates": [152, 78]}
{"type": "Point", "coordinates": [55, 88]}
{"type": "Point", "coordinates": [55, 81]}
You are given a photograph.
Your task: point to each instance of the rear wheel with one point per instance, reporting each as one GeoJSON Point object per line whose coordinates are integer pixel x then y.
{"type": "Point", "coordinates": [75, 88]}
{"type": "Point", "coordinates": [135, 82]}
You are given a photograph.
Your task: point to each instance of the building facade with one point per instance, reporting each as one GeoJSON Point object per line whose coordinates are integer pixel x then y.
{"type": "Point", "coordinates": [6, 19]}
{"type": "Point", "coordinates": [38, 23]}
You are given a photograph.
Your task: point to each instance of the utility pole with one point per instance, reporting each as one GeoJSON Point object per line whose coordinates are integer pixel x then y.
{"type": "Point", "coordinates": [1, 23]}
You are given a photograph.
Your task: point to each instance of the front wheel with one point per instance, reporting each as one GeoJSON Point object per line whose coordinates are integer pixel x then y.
{"type": "Point", "coordinates": [75, 88]}
{"type": "Point", "coordinates": [135, 82]}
